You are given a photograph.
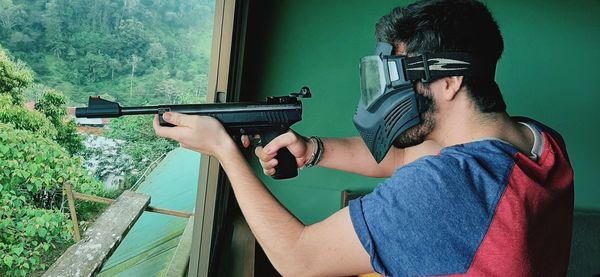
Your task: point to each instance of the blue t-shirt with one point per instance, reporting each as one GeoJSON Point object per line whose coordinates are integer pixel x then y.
{"type": "Point", "coordinates": [471, 209]}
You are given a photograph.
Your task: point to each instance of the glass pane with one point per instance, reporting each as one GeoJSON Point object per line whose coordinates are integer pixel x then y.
{"type": "Point", "coordinates": [55, 54]}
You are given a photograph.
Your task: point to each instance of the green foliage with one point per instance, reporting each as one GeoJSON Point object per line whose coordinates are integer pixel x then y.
{"type": "Point", "coordinates": [142, 145]}
{"type": "Point", "coordinates": [68, 137]}
{"type": "Point", "coordinates": [33, 170]}
{"type": "Point", "coordinates": [28, 233]}
{"type": "Point", "coordinates": [53, 105]}
{"type": "Point", "coordinates": [138, 52]}
{"type": "Point", "coordinates": [21, 118]}
{"type": "Point", "coordinates": [34, 166]}
{"type": "Point", "coordinates": [86, 47]}
{"type": "Point", "coordinates": [34, 91]}
{"type": "Point", "coordinates": [14, 76]}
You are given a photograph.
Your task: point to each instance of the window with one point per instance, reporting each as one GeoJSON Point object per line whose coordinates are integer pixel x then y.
{"type": "Point", "coordinates": [135, 52]}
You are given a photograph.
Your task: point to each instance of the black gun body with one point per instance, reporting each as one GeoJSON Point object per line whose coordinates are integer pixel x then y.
{"type": "Point", "coordinates": [245, 116]}
{"type": "Point", "coordinates": [266, 119]}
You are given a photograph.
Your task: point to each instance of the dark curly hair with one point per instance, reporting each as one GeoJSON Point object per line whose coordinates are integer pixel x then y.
{"type": "Point", "coordinates": [449, 26]}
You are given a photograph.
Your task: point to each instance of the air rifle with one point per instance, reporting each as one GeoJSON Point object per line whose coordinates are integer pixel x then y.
{"type": "Point", "coordinates": [268, 119]}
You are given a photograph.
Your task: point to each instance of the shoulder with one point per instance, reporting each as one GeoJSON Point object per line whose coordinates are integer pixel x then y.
{"type": "Point", "coordinates": [541, 127]}
{"type": "Point", "coordinates": [414, 222]}
{"type": "Point", "coordinates": [458, 165]}
{"type": "Point", "coordinates": [552, 139]}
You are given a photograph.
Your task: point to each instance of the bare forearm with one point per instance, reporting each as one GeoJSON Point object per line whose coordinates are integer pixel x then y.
{"type": "Point", "coordinates": [275, 228]}
{"type": "Point", "coordinates": [352, 155]}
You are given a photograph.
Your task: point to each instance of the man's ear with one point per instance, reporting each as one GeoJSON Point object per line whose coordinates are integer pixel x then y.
{"type": "Point", "coordinates": [452, 86]}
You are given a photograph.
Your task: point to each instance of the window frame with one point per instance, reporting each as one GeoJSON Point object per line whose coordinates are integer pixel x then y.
{"type": "Point", "coordinates": [223, 86]}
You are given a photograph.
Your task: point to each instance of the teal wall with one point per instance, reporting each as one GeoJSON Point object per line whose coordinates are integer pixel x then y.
{"type": "Point", "coordinates": [547, 72]}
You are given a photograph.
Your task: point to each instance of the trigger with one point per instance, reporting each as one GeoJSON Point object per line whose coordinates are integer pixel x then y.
{"type": "Point", "coordinates": [255, 140]}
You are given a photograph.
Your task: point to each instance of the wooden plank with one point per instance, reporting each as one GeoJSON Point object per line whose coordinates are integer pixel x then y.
{"type": "Point", "coordinates": [86, 257]}
{"type": "Point", "coordinates": [168, 212]}
{"type": "Point", "coordinates": [74, 219]}
{"type": "Point", "coordinates": [93, 198]}
{"type": "Point", "coordinates": [99, 199]}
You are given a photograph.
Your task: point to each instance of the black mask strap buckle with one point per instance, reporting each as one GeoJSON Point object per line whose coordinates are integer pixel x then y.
{"type": "Point", "coordinates": [427, 78]}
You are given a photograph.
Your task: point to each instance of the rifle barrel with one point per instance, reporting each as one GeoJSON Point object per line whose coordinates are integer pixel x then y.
{"type": "Point", "coordinates": [139, 110]}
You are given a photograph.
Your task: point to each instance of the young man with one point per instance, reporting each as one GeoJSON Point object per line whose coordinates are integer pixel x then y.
{"type": "Point", "coordinates": [471, 190]}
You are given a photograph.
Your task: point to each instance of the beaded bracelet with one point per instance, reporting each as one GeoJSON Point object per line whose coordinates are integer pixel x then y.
{"type": "Point", "coordinates": [317, 154]}
{"type": "Point", "coordinates": [313, 141]}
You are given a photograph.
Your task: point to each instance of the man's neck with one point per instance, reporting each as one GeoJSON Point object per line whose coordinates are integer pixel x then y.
{"type": "Point", "coordinates": [472, 126]}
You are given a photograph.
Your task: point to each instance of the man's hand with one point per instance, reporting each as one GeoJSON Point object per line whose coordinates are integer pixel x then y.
{"type": "Point", "coordinates": [330, 247]}
{"type": "Point", "coordinates": [202, 134]}
{"type": "Point", "coordinates": [346, 154]}
{"type": "Point", "coordinates": [295, 143]}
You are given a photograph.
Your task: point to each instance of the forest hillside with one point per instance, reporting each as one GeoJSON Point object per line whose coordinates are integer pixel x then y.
{"type": "Point", "coordinates": [136, 51]}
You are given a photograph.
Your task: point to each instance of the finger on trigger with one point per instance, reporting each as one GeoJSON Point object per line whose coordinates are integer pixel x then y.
{"type": "Point", "coordinates": [245, 141]}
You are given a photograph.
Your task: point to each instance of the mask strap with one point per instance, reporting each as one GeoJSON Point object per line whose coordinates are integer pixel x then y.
{"type": "Point", "coordinates": [428, 67]}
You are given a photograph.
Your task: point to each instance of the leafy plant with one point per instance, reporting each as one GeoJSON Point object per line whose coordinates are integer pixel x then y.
{"type": "Point", "coordinates": [24, 119]}
{"type": "Point", "coordinates": [33, 170]}
{"type": "Point", "coordinates": [14, 76]}
{"type": "Point", "coordinates": [53, 105]}
{"type": "Point", "coordinates": [37, 168]}
{"type": "Point", "coordinates": [28, 233]}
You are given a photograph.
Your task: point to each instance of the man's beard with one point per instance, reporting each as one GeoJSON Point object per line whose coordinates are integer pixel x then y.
{"type": "Point", "coordinates": [417, 134]}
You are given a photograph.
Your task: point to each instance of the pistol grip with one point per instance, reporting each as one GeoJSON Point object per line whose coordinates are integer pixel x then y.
{"type": "Point", "coordinates": [286, 167]}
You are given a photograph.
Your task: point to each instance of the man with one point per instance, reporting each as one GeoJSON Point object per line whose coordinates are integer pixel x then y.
{"type": "Point", "coordinates": [470, 189]}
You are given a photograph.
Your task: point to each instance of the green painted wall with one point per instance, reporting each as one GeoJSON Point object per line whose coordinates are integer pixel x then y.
{"type": "Point", "coordinates": [547, 72]}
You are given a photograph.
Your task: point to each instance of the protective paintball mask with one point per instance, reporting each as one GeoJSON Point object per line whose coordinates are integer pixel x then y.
{"type": "Point", "coordinates": [389, 104]}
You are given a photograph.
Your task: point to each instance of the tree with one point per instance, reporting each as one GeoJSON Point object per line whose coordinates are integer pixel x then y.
{"type": "Point", "coordinates": [7, 20]}
{"type": "Point", "coordinates": [94, 67]}
{"type": "Point", "coordinates": [134, 61]}
{"type": "Point", "coordinates": [200, 86]}
{"type": "Point", "coordinates": [130, 6]}
{"type": "Point", "coordinates": [156, 52]}
{"type": "Point", "coordinates": [52, 21]}
{"type": "Point", "coordinates": [53, 105]}
{"type": "Point", "coordinates": [84, 47]}
{"type": "Point", "coordinates": [14, 77]}
{"type": "Point", "coordinates": [171, 89]}
{"type": "Point", "coordinates": [23, 119]}
{"type": "Point", "coordinates": [9, 15]}
{"type": "Point", "coordinates": [113, 64]}
{"type": "Point", "coordinates": [20, 38]}
{"type": "Point", "coordinates": [132, 37]}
